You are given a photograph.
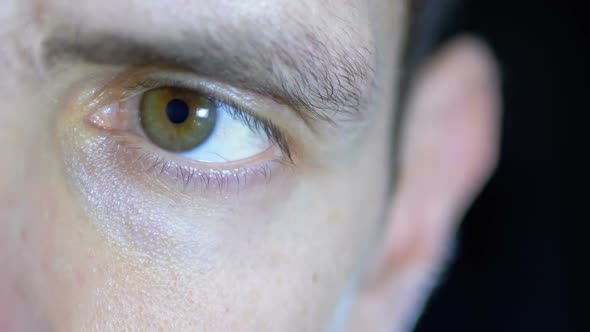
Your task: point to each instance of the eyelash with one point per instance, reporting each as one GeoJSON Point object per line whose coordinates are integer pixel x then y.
{"type": "Point", "coordinates": [185, 176]}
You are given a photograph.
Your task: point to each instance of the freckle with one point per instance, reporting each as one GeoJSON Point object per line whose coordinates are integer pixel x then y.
{"type": "Point", "coordinates": [23, 235]}
{"type": "Point", "coordinates": [315, 278]}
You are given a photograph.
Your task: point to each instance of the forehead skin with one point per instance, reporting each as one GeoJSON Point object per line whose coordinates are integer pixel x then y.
{"type": "Point", "coordinates": [172, 18]}
{"type": "Point", "coordinates": [306, 32]}
{"type": "Point", "coordinates": [320, 55]}
{"type": "Point", "coordinates": [278, 261]}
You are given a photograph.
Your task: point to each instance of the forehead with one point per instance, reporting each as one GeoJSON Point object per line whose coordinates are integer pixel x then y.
{"type": "Point", "coordinates": [328, 48]}
{"type": "Point", "coordinates": [344, 23]}
{"type": "Point", "coordinates": [275, 16]}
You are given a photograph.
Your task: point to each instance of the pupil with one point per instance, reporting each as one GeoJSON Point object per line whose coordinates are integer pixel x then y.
{"type": "Point", "coordinates": [177, 111]}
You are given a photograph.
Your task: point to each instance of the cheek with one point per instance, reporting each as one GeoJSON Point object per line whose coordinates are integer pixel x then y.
{"type": "Point", "coordinates": [29, 204]}
{"type": "Point", "coordinates": [106, 252]}
{"type": "Point", "coordinates": [299, 252]}
{"type": "Point", "coordinates": [61, 251]}
{"type": "Point", "coordinates": [39, 251]}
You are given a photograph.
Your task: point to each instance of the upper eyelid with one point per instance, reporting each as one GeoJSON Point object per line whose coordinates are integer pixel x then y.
{"type": "Point", "coordinates": [142, 78]}
{"type": "Point", "coordinates": [154, 81]}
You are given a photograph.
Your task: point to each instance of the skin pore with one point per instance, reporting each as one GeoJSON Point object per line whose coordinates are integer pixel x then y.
{"type": "Point", "coordinates": [102, 230]}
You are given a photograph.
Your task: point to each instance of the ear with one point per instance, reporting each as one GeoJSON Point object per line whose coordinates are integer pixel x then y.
{"type": "Point", "coordinates": [448, 150]}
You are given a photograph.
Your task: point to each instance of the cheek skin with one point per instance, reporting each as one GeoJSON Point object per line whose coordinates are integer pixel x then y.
{"type": "Point", "coordinates": [184, 261]}
{"type": "Point", "coordinates": [104, 250]}
{"type": "Point", "coordinates": [95, 246]}
{"type": "Point", "coordinates": [46, 235]}
{"type": "Point", "coordinates": [212, 263]}
{"type": "Point", "coordinates": [293, 245]}
{"type": "Point", "coordinates": [285, 264]}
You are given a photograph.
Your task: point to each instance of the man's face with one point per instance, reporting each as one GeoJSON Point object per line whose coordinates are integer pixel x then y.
{"type": "Point", "coordinates": [225, 165]}
{"type": "Point", "coordinates": [105, 227]}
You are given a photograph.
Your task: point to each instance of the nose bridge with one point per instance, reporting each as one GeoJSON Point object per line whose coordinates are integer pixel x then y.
{"type": "Point", "coordinates": [23, 136]}
{"type": "Point", "coordinates": [18, 131]}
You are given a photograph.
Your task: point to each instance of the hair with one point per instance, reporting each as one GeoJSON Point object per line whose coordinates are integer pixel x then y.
{"type": "Point", "coordinates": [427, 24]}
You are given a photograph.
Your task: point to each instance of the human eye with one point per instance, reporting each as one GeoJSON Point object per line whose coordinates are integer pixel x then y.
{"type": "Point", "coordinates": [186, 129]}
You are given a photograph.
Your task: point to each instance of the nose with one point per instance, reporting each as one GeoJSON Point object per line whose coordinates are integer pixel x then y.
{"type": "Point", "coordinates": [27, 160]}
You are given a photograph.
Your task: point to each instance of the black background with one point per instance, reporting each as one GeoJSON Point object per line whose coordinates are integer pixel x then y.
{"type": "Point", "coordinates": [515, 268]}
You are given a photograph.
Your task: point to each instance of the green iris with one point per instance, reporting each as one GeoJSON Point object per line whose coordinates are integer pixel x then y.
{"type": "Point", "coordinates": [177, 119]}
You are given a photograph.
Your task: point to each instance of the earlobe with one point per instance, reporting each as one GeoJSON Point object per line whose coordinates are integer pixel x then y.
{"type": "Point", "coordinates": [448, 150]}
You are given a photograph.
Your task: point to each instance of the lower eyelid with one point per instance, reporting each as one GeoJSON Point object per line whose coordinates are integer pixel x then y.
{"type": "Point", "coordinates": [172, 174]}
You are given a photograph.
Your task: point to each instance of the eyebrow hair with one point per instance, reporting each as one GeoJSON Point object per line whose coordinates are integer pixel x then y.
{"type": "Point", "coordinates": [317, 78]}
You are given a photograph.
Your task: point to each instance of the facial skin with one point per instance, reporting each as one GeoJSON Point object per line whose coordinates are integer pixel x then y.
{"type": "Point", "coordinates": [102, 230]}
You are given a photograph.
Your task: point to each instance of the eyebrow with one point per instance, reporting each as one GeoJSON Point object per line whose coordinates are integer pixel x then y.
{"type": "Point", "coordinates": [317, 78]}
